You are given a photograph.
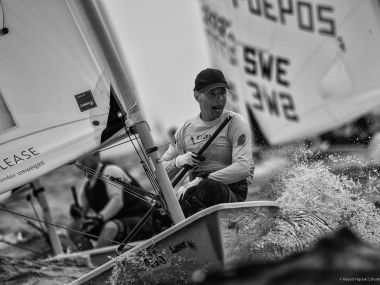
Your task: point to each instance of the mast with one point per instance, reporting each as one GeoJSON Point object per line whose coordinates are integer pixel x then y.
{"type": "Point", "coordinates": [92, 19]}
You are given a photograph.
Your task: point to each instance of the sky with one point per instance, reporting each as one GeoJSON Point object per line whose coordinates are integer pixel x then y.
{"type": "Point", "coordinates": [165, 47]}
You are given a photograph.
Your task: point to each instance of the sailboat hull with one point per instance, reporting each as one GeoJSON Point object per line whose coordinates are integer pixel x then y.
{"type": "Point", "coordinates": [211, 238]}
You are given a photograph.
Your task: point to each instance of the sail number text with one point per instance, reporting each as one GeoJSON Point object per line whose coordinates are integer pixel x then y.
{"type": "Point", "coordinates": [309, 16]}
{"type": "Point", "coordinates": [259, 64]}
{"type": "Point", "coordinates": [152, 258]}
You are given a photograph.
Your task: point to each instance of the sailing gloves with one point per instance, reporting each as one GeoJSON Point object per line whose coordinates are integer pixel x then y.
{"type": "Point", "coordinates": [182, 190]}
{"type": "Point", "coordinates": [76, 211]}
{"type": "Point", "coordinates": [189, 158]}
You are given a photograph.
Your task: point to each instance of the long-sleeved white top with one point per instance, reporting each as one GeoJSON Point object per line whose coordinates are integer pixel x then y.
{"type": "Point", "coordinates": [228, 158]}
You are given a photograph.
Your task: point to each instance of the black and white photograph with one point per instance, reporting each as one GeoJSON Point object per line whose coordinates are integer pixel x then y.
{"type": "Point", "coordinates": [189, 142]}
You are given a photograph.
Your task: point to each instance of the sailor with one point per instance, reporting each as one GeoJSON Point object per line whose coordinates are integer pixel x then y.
{"type": "Point", "coordinates": [104, 209]}
{"type": "Point", "coordinates": [220, 176]}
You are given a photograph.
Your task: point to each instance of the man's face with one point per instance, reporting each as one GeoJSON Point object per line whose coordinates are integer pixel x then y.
{"type": "Point", "coordinates": [212, 103]}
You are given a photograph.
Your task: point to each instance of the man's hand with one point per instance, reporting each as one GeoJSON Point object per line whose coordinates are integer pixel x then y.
{"type": "Point", "coordinates": [182, 190]}
{"type": "Point", "coordinates": [76, 211]}
{"type": "Point", "coordinates": [189, 158]}
{"type": "Point", "coordinates": [92, 224]}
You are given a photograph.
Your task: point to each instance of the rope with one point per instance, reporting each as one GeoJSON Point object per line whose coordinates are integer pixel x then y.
{"type": "Point", "coordinates": [119, 144]}
{"type": "Point", "coordinates": [106, 178]}
{"type": "Point", "coordinates": [158, 146]}
{"type": "Point", "coordinates": [62, 227]}
{"type": "Point", "coordinates": [147, 168]}
{"type": "Point", "coordinates": [110, 147]}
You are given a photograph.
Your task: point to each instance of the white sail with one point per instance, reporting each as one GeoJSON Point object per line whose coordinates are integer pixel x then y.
{"type": "Point", "coordinates": [63, 82]}
{"type": "Point", "coordinates": [302, 67]}
{"type": "Point", "coordinates": [55, 90]}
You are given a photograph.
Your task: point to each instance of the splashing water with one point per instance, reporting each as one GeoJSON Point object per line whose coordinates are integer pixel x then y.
{"type": "Point", "coordinates": [314, 200]}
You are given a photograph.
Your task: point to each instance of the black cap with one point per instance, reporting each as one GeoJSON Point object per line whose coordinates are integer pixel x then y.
{"type": "Point", "coordinates": [209, 79]}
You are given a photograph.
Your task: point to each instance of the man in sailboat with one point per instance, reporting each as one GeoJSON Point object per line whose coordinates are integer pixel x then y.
{"type": "Point", "coordinates": [220, 176]}
{"type": "Point", "coordinates": [104, 209]}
